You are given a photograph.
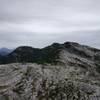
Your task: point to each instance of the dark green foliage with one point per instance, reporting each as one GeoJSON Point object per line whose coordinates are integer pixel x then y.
{"type": "Point", "coordinates": [98, 67]}
{"type": "Point", "coordinates": [51, 54]}
{"type": "Point", "coordinates": [97, 58]}
{"type": "Point", "coordinates": [24, 54]}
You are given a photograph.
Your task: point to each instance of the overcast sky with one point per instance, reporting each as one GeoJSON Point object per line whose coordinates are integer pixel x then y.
{"type": "Point", "coordinates": [39, 23]}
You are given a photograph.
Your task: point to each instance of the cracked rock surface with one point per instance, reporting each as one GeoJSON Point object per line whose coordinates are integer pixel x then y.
{"type": "Point", "coordinates": [47, 82]}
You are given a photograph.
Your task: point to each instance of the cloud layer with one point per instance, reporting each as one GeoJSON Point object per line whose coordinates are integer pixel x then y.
{"type": "Point", "coordinates": [41, 22]}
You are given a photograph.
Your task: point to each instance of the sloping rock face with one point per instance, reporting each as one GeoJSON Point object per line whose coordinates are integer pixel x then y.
{"type": "Point", "coordinates": [75, 76]}
{"type": "Point", "coordinates": [46, 82]}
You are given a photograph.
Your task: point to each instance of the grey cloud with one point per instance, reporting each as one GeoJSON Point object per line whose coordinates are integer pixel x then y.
{"type": "Point", "coordinates": [24, 9]}
{"type": "Point", "coordinates": [42, 22]}
{"type": "Point", "coordinates": [37, 40]}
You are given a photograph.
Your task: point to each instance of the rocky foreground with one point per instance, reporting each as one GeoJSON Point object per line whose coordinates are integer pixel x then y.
{"type": "Point", "coordinates": [46, 82]}
{"type": "Point", "coordinates": [76, 76]}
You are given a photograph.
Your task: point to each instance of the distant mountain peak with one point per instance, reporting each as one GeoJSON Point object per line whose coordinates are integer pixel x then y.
{"type": "Point", "coordinates": [5, 51]}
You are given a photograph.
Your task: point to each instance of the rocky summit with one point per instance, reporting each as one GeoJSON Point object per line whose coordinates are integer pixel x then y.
{"type": "Point", "coordinates": [68, 71]}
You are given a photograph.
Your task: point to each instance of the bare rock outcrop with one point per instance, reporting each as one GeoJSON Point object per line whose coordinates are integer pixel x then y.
{"type": "Point", "coordinates": [75, 76]}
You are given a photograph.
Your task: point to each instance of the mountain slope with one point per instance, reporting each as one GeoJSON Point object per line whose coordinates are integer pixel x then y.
{"type": "Point", "coordinates": [28, 54]}
{"type": "Point", "coordinates": [51, 54]}
{"type": "Point", "coordinates": [74, 76]}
